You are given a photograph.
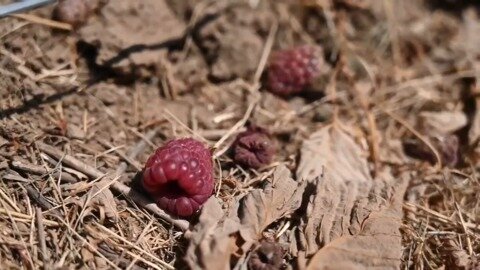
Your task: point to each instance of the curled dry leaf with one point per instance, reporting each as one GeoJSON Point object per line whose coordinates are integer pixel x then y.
{"type": "Point", "coordinates": [378, 244]}
{"type": "Point", "coordinates": [441, 123]}
{"type": "Point", "coordinates": [101, 198]}
{"type": "Point", "coordinates": [336, 165]}
{"type": "Point", "coordinates": [278, 199]}
{"type": "Point", "coordinates": [211, 241]}
{"type": "Point", "coordinates": [331, 150]}
{"type": "Point", "coordinates": [345, 198]}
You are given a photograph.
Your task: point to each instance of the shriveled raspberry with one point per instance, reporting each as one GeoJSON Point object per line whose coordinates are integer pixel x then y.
{"type": "Point", "coordinates": [269, 256]}
{"type": "Point", "coordinates": [254, 148]}
{"type": "Point", "coordinates": [179, 176]}
{"type": "Point", "coordinates": [291, 70]}
{"type": "Point", "coordinates": [447, 147]}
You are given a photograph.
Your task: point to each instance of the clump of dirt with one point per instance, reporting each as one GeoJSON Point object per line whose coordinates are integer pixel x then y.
{"type": "Point", "coordinates": [232, 41]}
{"type": "Point", "coordinates": [128, 37]}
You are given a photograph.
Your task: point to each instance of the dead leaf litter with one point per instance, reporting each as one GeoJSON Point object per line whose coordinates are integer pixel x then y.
{"type": "Point", "coordinates": [376, 158]}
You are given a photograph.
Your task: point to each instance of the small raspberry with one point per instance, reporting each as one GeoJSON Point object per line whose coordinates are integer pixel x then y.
{"type": "Point", "coordinates": [75, 12]}
{"type": "Point", "coordinates": [179, 176]}
{"type": "Point", "coordinates": [290, 71]}
{"type": "Point", "coordinates": [254, 148]}
{"type": "Point", "coordinates": [269, 256]}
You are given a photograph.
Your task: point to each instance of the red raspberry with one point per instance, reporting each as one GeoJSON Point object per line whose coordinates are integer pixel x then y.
{"type": "Point", "coordinates": [254, 148]}
{"type": "Point", "coordinates": [290, 71]}
{"type": "Point", "coordinates": [179, 176]}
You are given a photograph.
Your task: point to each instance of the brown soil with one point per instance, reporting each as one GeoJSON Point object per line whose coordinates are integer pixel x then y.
{"type": "Point", "coordinates": [376, 164]}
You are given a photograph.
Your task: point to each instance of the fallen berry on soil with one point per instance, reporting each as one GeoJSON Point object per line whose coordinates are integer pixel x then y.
{"type": "Point", "coordinates": [254, 148]}
{"type": "Point", "coordinates": [290, 71]}
{"type": "Point", "coordinates": [269, 256]}
{"type": "Point", "coordinates": [179, 176]}
{"type": "Point", "coordinates": [447, 147]}
{"type": "Point", "coordinates": [75, 12]}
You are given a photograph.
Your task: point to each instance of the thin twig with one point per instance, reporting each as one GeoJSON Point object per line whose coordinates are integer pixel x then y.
{"type": "Point", "coordinates": [149, 205]}
{"type": "Point", "coordinates": [41, 238]}
{"type": "Point", "coordinates": [47, 22]}
{"type": "Point", "coordinates": [121, 261]}
{"type": "Point", "coordinates": [130, 244]}
{"type": "Point", "coordinates": [70, 161]}
{"type": "Point", "coordinates": [84, 241]}
{"type": "Point", "coordinates": [232, 130]}
{"type": "Point", "coordinates": [9, 200]}
{"type": "Point", "coordinates": [253, 89]}
{"type": "Point", "coordinates": [137, 150]}
{"type": "Point", "coordinates": [121, 154]}
{"type": "Point", "coordinates": [41, 200]}
{"type": "Point", "coordinates": [266, 52]}
{"type": "Point", "coordinates": [40, 170]}
{"type": "Point", "coordinates": [465, 230]}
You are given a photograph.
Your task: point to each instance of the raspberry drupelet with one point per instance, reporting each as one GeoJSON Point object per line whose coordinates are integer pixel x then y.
{"type": "Point", "coordinates": [290, 71]}
{"type": "Point", "coordinates": [179, 176]}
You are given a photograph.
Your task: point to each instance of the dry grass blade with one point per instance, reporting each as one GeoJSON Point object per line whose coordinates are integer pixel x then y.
{"type": "Point", "coordinates": [41, 238]}
{"type": "Point", "coordinates": [136, 247]}
{"type": "Point", "coordinates": [47, 22]}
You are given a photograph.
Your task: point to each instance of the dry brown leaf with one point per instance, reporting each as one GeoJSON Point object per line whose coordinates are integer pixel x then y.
{"type": "Point", "coordinates": [455, 257]}
{"type": "Point", "coordinates": [278, 199]}
{"type": "Point", "coordinates": [211, 243]}
{"type": "Point", "coordinates": [441, 123]}
{"type": "Point", "coordinates": [346, 195]}
{"type": "Point", "coordinates": [334, 163]}
{"type": "Point", "coordinates": [332, 151]}
{"type": "Point", "coordinates": [377, 245]}
{"type": "Point", "coordinates": [101, 198]}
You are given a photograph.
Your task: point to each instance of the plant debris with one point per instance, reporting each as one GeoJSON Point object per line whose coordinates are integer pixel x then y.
{"type": "Point", "coordinates": [376, 134]}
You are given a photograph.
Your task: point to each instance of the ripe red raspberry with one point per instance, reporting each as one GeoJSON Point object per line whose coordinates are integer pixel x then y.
{"type": "Point", "coordinates": [290, 71]}
{"type": "Point", "coordinates": [254, 148]}
{"type": "Point", "coordinates": [179, 176]}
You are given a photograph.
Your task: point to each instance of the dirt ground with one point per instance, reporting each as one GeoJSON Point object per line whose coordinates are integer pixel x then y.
{"type": "Point", "coordinates": [377, 160]}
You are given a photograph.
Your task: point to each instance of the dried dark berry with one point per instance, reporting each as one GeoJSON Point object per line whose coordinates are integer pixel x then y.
{"type": "Point", "coordinates": [447, 147]}
{"type": "Point", "coordinates": [179, 176]}
{"type": "Point", "coordinates": [254, 148]}
{"type": "Point", "coordinates": [269, 256]}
